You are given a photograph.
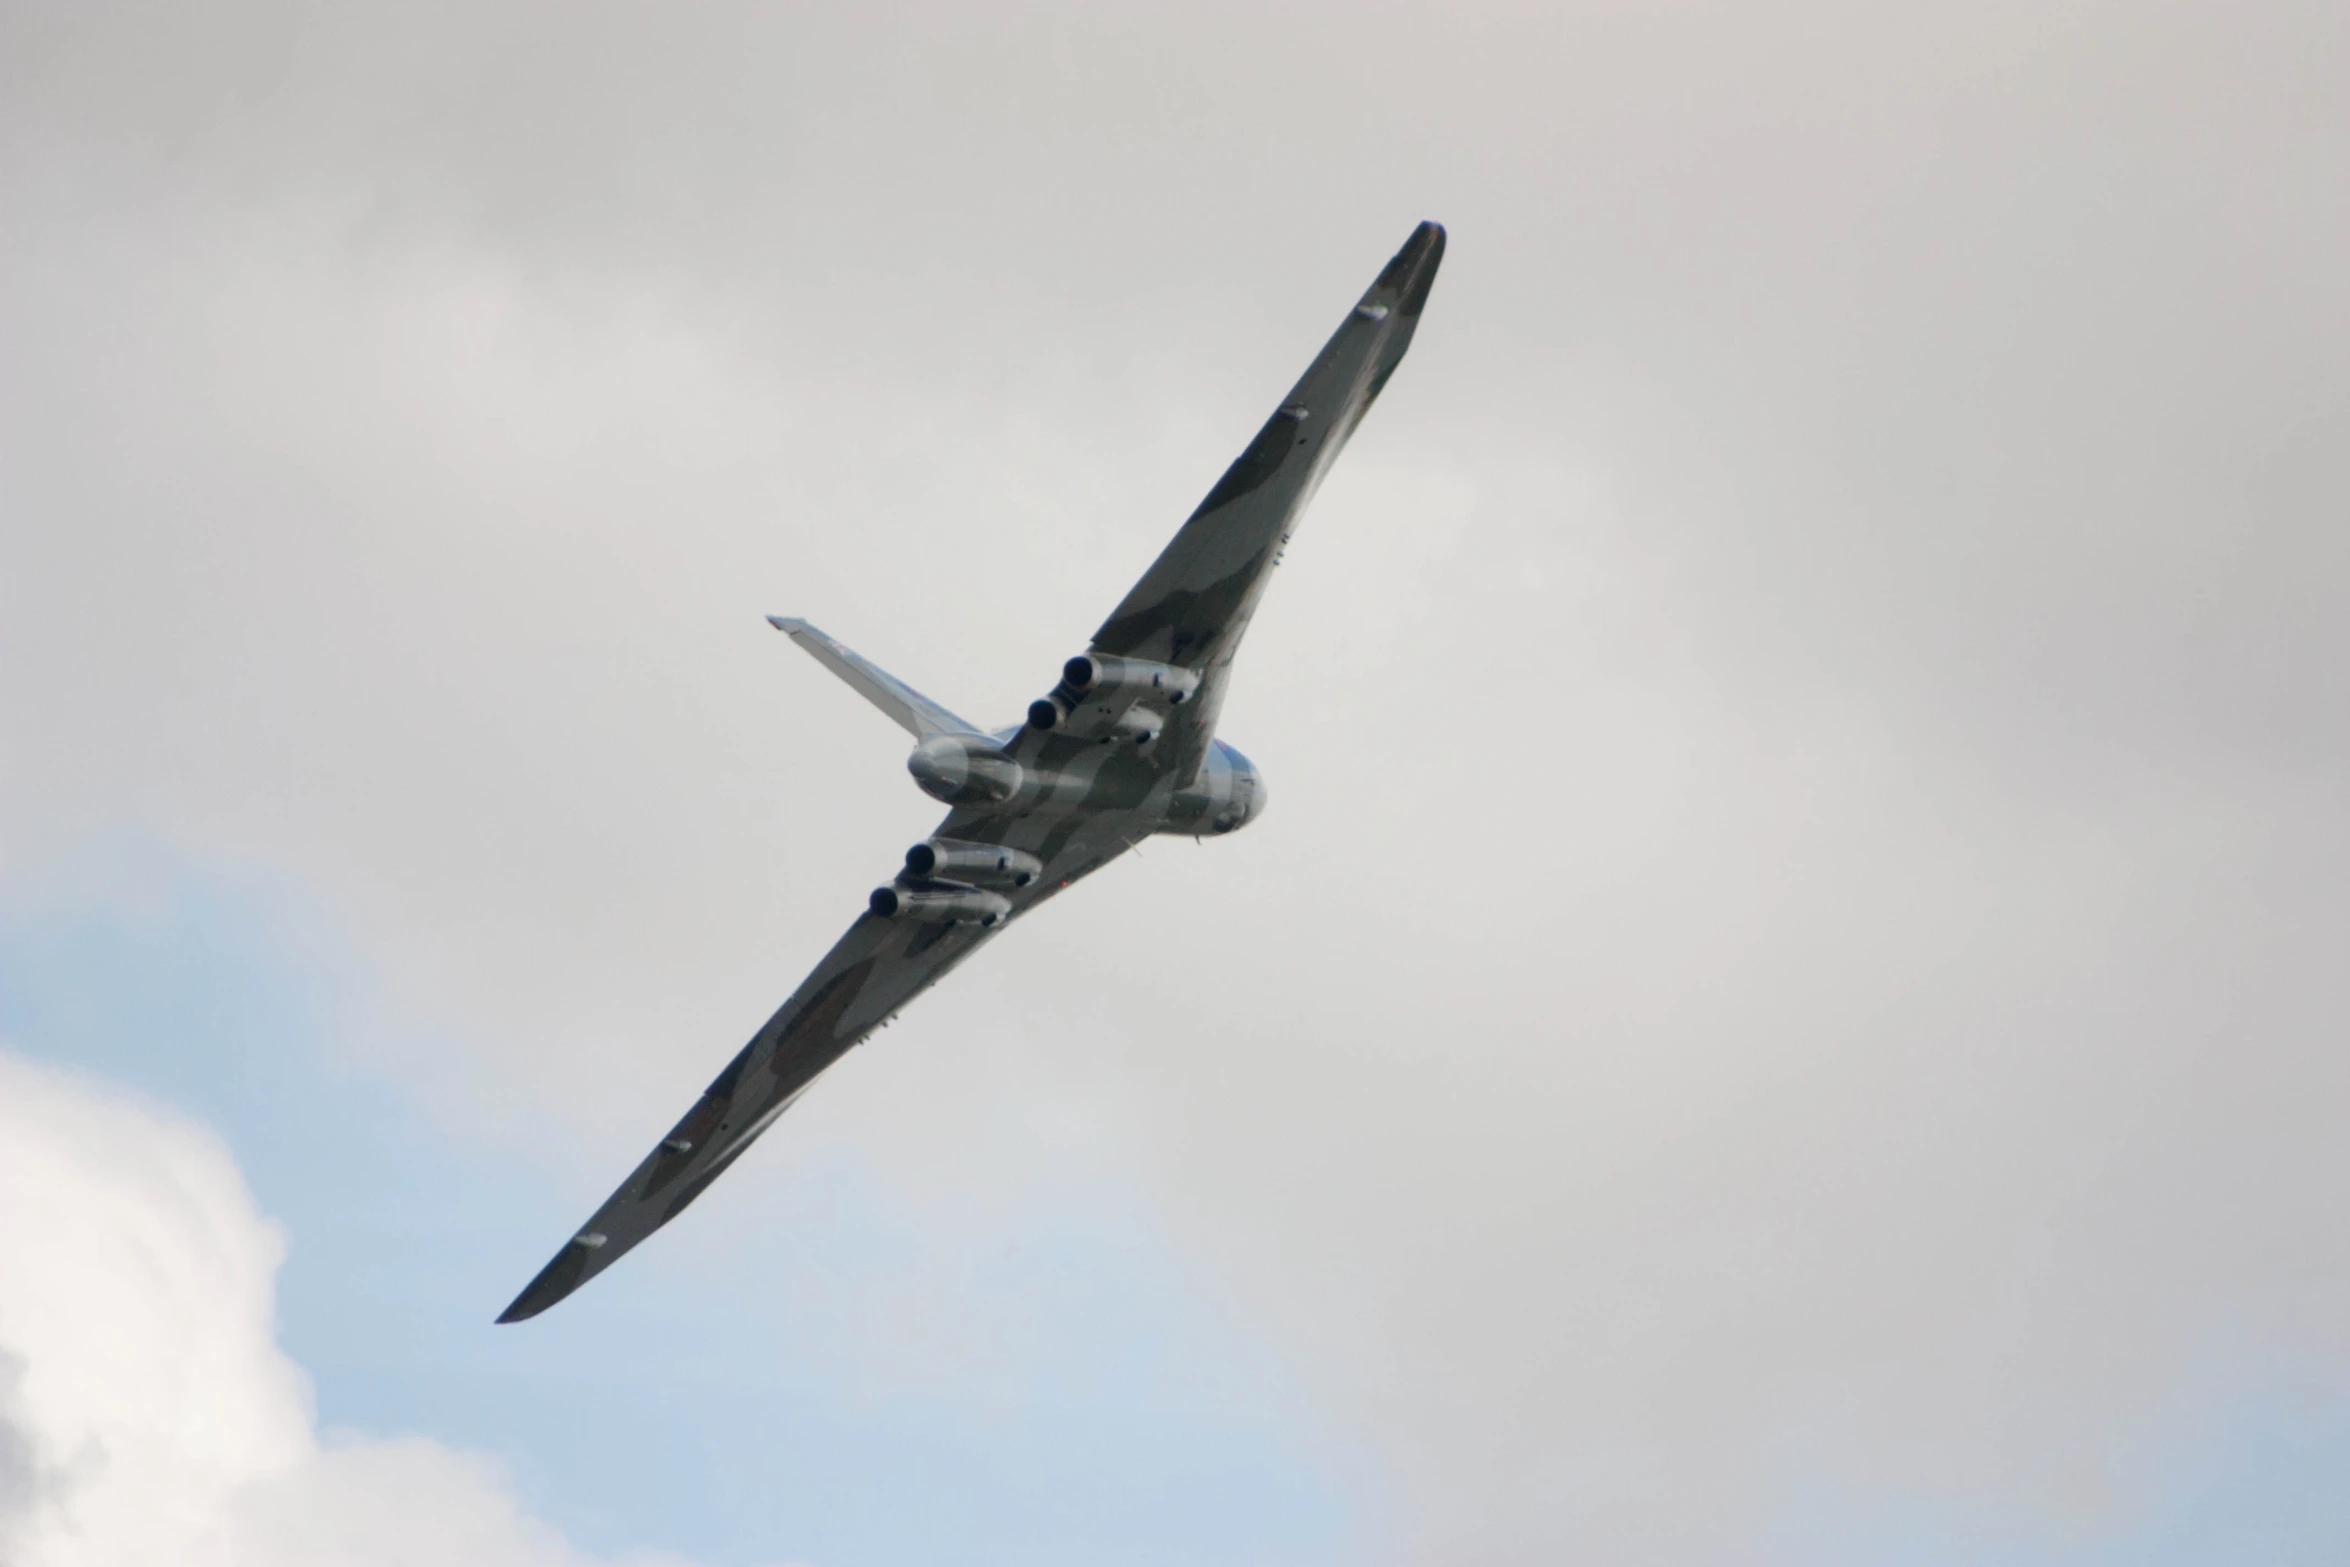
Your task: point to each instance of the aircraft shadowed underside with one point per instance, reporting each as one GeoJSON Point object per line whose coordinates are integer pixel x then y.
{"type": "Point", "coordinates": [1123, 747]}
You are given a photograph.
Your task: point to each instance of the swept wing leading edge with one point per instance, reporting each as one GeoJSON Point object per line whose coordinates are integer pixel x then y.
{"type": "Point", "coordinates": [870, 972]}
{"type": "Point", "coordinates": [1190, 609]}
{"type": "Point", "coordinates": [1194, 603]}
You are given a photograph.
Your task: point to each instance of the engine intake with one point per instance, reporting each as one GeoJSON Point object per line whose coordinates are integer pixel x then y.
{"type": "Point", "coordinates": [959, 861]}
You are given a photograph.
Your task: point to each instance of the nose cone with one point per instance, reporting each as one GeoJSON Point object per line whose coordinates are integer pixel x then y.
{"type": "Point", "coordinates": [1246, 800]}
{"type": "Point", "coordinates": [1254, 791]}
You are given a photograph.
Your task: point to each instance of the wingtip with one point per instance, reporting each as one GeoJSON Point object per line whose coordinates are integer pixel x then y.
{"type": "Point", "coordinates": [1425, 245]}
{"type": "Point", "coordinates": [1422, 254]}
{"type": "Point", "coordinates": [786, 624]}
{"type": "Point", "coordinates": [566, 1271]}
{"type": "Point", "coordinates": [1407, 278]}
{"type": "Point", "coordinates": [535, 1298]}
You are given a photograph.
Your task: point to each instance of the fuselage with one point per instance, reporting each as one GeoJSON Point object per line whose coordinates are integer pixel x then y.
{"type": "Point", "coordinates": [1068, 776]}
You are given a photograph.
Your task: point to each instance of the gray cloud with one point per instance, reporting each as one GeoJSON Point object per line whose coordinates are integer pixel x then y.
{"type": "Point", "coordinates": [1802, 908]}
{"type": "Point", "coordinates": [20, 1468]}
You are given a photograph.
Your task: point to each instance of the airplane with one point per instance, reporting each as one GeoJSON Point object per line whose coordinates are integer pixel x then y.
{"type": "Point", "coordinates": [1124, 746]}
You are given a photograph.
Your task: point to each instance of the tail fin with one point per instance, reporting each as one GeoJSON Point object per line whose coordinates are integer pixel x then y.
{"type": "Point", "coordinates": [908, 708]}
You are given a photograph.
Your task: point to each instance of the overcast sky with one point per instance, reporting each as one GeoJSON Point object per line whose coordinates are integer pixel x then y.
{"type": "Point", "coordinates": [1789, 1003]}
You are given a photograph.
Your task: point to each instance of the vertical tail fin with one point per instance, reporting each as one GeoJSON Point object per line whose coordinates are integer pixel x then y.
{"type": "Point", "coordinates": [908, 708]}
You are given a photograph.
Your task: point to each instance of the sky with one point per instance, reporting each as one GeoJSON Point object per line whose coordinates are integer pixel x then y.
{"type": "Point", "coordinates": [1787, 1007]}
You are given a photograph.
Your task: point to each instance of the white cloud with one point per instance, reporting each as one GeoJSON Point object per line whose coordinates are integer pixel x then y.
{"type": "Point", "coordinates": [146, 1412]}
{"type": "Point", "coordinates": [1806, 883]}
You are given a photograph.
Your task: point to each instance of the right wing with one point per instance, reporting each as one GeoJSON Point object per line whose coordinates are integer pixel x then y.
{"type": "Point", "coordinates": [1193, 604]}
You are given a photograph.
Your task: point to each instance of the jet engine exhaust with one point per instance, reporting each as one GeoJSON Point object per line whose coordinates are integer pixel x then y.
{"type": "Point", "coordinates": [1097, 674]}
{"type": "Point", "coordinates": [943, 906]}
{"type": "Point", "coordinates": [1101, 695]}
{"type": "Point", "coordinates": [973, 862]}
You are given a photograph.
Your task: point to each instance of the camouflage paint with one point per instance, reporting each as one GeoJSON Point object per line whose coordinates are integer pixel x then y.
{"type": "Point", "coordinates": [1081, 801]}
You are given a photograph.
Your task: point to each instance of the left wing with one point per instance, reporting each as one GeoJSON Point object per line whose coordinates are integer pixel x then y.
{"type": "Point", "coordinates": [879, 966]}
{"type": "Point", "coordinates": [872, 971]}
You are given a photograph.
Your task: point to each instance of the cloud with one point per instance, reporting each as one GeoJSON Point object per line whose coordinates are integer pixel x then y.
{"type": "Point", "coordinates": [1801, 919]}
{"type": "Point", "coordinates": [146, 1413]}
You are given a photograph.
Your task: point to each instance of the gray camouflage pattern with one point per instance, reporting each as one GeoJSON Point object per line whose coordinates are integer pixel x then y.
{"type": "Point", "coordinates": [1124, 747]}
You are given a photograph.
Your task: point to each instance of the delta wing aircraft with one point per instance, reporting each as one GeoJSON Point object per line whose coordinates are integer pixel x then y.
{"type": "Point", "coordinates": [1123, 747]}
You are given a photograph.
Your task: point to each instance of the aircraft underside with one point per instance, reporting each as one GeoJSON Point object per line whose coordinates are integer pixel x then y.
{"type": "Point", "coordinates": [1122, 747]}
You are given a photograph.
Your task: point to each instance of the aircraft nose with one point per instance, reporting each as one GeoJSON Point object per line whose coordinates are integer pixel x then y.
{"type": "Point", "coordinates": [1248, 788]}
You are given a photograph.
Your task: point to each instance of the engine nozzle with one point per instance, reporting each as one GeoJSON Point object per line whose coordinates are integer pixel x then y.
{"type": "Point", "coordinates": [1098, 695]}
{"type": "Point", "coordinates": [1099, 674]}
{"type": "Point", "coordinates": [959, 861]}
{"type": "Point", "coordinates": [940, 906]}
